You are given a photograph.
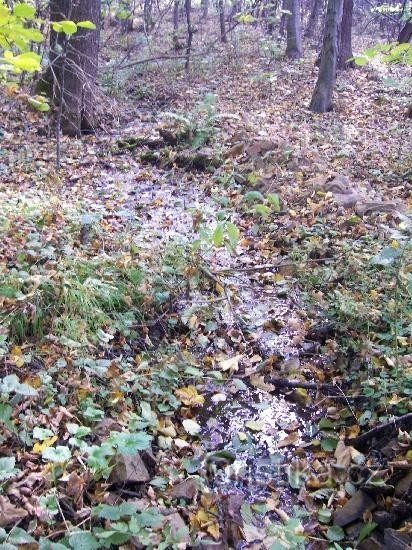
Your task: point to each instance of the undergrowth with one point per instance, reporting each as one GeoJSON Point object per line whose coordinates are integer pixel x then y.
{"type": "Point", "coordinates": [365, 289]}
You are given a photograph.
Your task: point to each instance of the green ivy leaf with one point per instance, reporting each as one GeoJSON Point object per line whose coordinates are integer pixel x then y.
{"type": "Point", "coordinates": [130, 443]}
{"type": "Point", "coordinates": [335, 533]}
{"type": "Point", "coordinates": [83, 540]}
{"type": "Point", "coordinates": [105, 511]}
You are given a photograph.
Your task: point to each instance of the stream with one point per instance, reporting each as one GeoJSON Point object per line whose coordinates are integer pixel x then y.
{"type": "Point", "coordinates": [246, 424]}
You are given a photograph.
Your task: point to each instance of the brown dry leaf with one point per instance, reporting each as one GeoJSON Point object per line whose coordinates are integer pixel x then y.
{"type": "Point", "coordinates": [259, 382]}
{"type": "Point", "coordinates": [9, 513]}
{"type": "Point", "coordinates": [189, 396]}
{"type": "Point", "coordinates": [75, 488]}
{"type": "Point", "coordinates": [291, 439]}
{"type": "Point", "coordinates": [342, 455]}
{"type": "Point", "coordinates": [166, 427]}
{"type": "Point", "coordinates": [231, 364]}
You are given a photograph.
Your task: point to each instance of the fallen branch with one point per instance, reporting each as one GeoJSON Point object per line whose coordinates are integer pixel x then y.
{"type": "Point", "coordinates": [292, 384]}
{"type": "Point", "coordinates": [403, 422]}
{"type": "Point", "coordinates": [271, 267]}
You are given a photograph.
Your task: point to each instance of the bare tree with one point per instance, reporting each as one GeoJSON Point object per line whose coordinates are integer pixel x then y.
{"type": "Point", "coordinates": [322, 95]}
{"type": "Point", "coordinates": [293, 30]}
{"type": "Point", "coordinates": [345, 48]}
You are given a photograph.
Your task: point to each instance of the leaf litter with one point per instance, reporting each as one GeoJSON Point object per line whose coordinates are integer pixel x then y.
{"type": "Point", "coordinates": [152, 414]}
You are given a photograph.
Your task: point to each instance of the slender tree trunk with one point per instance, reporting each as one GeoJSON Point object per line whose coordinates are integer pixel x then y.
{"type": "Point", "coordinates": [270, 16]}
{"type": "Point", "coordinates": [75, 86]}
{"type": "Point", "coordinates": [282, 24]}
{"type": "Point", "coordinates": [345, 47]}
{"type": "Point", "coordinates": [188, 10]}
{"type": "Point", "coordinates": [176, 5]}
{"type": "Point", "coordinates": [313, 19]}
{"type": "Point", "coordinates": [223, 35]}
{"type": "Point", "coordinates": [205, 9]}
{"type": "Point", "coordinates": [322, 95]}
{"type": "Point", "coordinates": [294, 30]}
{"type": "Point", "coordinates": [148, 15]}
{"type": "Point", "coordinates": [405, 34]}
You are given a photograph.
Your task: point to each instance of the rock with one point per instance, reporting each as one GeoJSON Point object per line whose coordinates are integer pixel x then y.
{"type": "Point", "coordinates": [354, 509]}
{"type": "Point", "coordinates": [383, 518]}
{"type": "Point", "coordinates": [179, 529]}
{"type": "Point", "coordinates": [404, 486]}
{"type": "Point", "coordinates": [187, 489]}
{"type": "Point", "coordinates": [347, 200]}
{"type": "Point", "coordinates": [341, 184]}
{"type": "Point", "coordinates": [396, 540]}
{"type": "Point", "coordinates": [366, 208]}
{"type": "Point", "coordinates": [318, 182]}
{"type": "Point", "coordinates": [129, 469]}
{"type": "Point", "coordinates": [373, 542]}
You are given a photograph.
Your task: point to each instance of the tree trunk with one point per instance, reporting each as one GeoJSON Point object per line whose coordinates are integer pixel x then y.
{"type": "Point", "coordinates": [322, 95]}
{"type": "Point", "coordinates": [205, 9]}
{"type": "Point", "coordinates": [405, 34]}
{"type": "Point", "coordinates": [73, 65]}
{"type": "Point", "coordinates": [221, 7]}
{"type": "Point", "coordinates": [148, 15]}
{"type": "Point", "coordinates": [294, 30]}
{"type": "Point", "coordinates": [345, 47]}
{"type": "Point", "coordinates": [188, 10]}
{"type": "Point", "coordinates": [313, 19]}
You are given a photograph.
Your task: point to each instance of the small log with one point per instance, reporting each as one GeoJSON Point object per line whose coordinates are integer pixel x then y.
{"type": "Point", "coordinates": [403, 422]}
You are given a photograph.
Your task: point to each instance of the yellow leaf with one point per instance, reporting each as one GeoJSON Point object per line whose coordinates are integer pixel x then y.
{"type": "Point", "coordinates": [219, 288]}
{"type": "Point", "coordinates": [17, 356]}
{"type": "Point", "coordinates": [189, 396]}
{"type": "Point", "coordinates": [116, 397]}
{"type": "Point", "coordinates": [213, 530]}
{"type": "Point", "coordinates": [38, 448]}
{"type": "Point", "coordinates": [353, 431]}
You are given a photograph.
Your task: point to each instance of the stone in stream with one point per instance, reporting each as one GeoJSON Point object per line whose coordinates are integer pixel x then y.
{"type": "Point", "coordinates": [187, 489]}
{"type": "Point", "coordinates": [129, 469]}
{"type": "Point", "coordinates": [354, 509]}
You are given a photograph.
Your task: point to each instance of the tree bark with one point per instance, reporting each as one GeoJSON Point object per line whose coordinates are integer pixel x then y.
{"type": "Point", "coordinates": [294, 30]}
{"type": "Point", "coordinates": [313, 19]}
{"type": "Point", "coordinates": [223, 35]}
{"type": "Point", "coordinates": [345, 47]}
{"type": "Point", "coordinates": [205, 9]}
{"type": "Point", "coordinates": [73, 65]}
{"type": "Point", "coordinates": [322, 95]}
{"type": "Point", "coordinates": [148, 15]}
{"type": "Point", "coordinates": [405, 34]}
{"type": "Point", "coordinates": [188, 10]}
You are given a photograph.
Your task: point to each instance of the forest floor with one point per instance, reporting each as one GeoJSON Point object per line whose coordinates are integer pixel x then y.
{"type": "Point", "coordinates": [206, 314]}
